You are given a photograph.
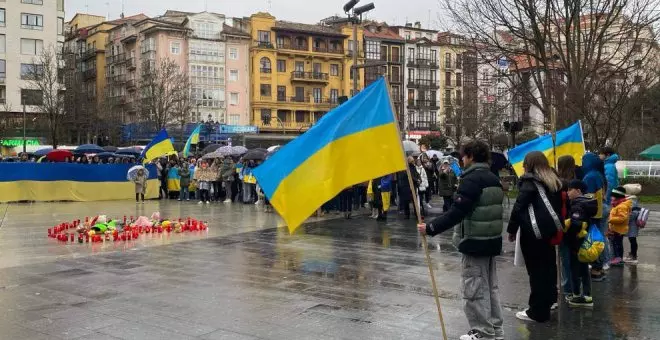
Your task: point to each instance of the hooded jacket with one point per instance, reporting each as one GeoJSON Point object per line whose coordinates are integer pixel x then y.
{"type": "Point", "coordinates": [611, 175]}
{"type": "Point", "coordinates": [227, 170]}
{"type": "Point", "coordinates": [620, 215]}
{"type": "Point", "coordinates": [593, 179]}
{"type": "Point", "coordinates": [423, 175]}
{"type": "Point", "coordinates": [184, 174]}
{"type": "Point", "coordinates": [582, 209]}
{"type": "Point", "coordinates": [476, 214]}
{"type": "Point", "coordinates": [529, 194]}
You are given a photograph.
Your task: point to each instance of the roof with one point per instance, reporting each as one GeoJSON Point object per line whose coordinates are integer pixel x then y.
{"type": "Point", "coordinates": [416, 29]}
{"type": "Point", "coordinates": [381, 31]}
{"type": "Point", "coordinates": [233, 31]}
{"type": "Point", "coordinates": [132, 18]}
{"type": "Point", "coordinates": [523, 62]}
{"type": "Point", "coordinates": [306, 28]}
{"type": "Point", "coordinates": [424, 41]}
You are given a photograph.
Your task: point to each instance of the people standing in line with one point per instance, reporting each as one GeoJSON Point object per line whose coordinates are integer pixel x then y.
{"type": "Point", "coordinates": [476, 217]}
{"type": "Point", "coordinates": [249, 182]}
{"type": "Point", "coordinates": [566, 170]}
{"type": "Point", "coordinates": [403, 186]}
{"type": "Point", "coordinates": [346, 202]}
{"type": "Point", "coordinates": [537, 209]}
{"type": "Point", "coordinates": [618, 222]}
{"type": "Point", "coordinates": [217, 181]}
{"type": "Point", "coordinates": [423, 185]}
{"type": "Point", "coordinates": [184, 181]}
{"type": "Point", "coordinates": [432, 178]}
{"type": "Point", "coordinates": [140, 181]}
{"type": "Point", "coordinates": [227, 172]}
{"type": "Point", "coordinates": [595, 182]}
{"type": "Point", "coordinates": [582, 209]}
{"type": "Point", "coordinates": [204, 176]}
{"type": "Point", "coordinates": [163, 170]}
{"type": "Point", "coordinates": [446, 185]}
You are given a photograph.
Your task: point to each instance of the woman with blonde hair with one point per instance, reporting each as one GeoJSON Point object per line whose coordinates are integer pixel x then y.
{"type": "Point", "coordinates": [537, 214]}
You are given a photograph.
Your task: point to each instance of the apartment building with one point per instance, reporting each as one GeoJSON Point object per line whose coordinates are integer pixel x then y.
{"type": "Point", "coordinates": [237, 73]}
{"type": "Point", "coordinates": [27, 28]}
{"type": "Point", "coordinates": [298, 71]}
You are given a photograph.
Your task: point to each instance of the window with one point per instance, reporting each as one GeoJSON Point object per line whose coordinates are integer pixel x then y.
{"type": "Point", "coordinates": [264, 36]}
{"type": "Point", "coordinates": [233, 75]}
{"type": "Point", "coordinates": [60, 26]}
{"type": "Point", "coordinates": [334, 95]}
{"type": "Point", "coordinates": [316, 68]}
{"type": "Point", "coordinates": [207, 51]}
{"type": "Point", "coordinates": [411, 75]}
{"type": "Point", "coordinates": [448, 78]}
{"type": "Point", "coordinates": [265, 65]}
{"type": "Point", "coordinates": [411, 54]}
{"type": "Point", "coordinates": [334, 70]}
{"type": "Point", "coordinates": [234, 119]}
{"type": "Point", "coordinates": [637, 48]}
{"type": "Point", "coordinates": [3, 69]}
{"type": "Point", "coordinates": [300, 94]}
{"type": "Point", "coordinates": [3, 40]}
{"type": "Point", "coordinates": [36, 2]}
{"type": "Point", "coordinates": [434, 57]}
{"type": "Point", "coordinates": [175, 47]}
{"type": "Point", "coordinates": [233, 53]}
{"type": "Point", "coordinates": [396, 74]}
{"type": "Point", "coordinates": [459, 61]}
{"type": "Point", "coordinates": [300, 66]}
{"type": "Point", "coordinates": [60, 5]}
{"type": "Point", "coordinates": [31, 71]}
{"type": "Point", "coordinates": [411, 97]}
{"type": "Point", "coordinates": [373, 50]}
{"type": "Point", "coordinates": [31, 46]}
{"type": "Point", "coordinates": [265, 90]}
{"type": "Point", "coordinates": [395, 54]}
{"type": "Point", "coordinates": [265, 116]}
{"type": "Point", "coordinates": [31, 97]}
{"type": "Point", "coordinates": [281, 93]}
{"type": "Point", "coordinates": [638, 79]}
{"type": "Point", "coordinates": [317, 95]}
{"type": "Point", "coordinates": [207, 75]}
{"type": "Point", "coordinates": [383, 52]}
{"type": "Point", "coordinates": [396, 93]}
{"type": "Point", "coordinates": [206, 29]}
{"type": "Point", "coordinates": [459, 97]}
{"type": "Point", "coordinates": [2, 17]}
{"type": "Point", "coordinates": [459, 79]}
{"type": "Point", "coordinates": [447, 60]}
{"type": "Point", "coordinates": [447, 97]}
{"type": "Point", "coordinates": [281, 65]}
{"type": "Point", "coordinates": [233, 98]}
{"type": "Point", "coordinates": [32, 21]}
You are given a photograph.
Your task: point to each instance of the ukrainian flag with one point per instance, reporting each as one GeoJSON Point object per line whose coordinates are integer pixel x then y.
{"type": "Point", "coordinates": [353, 143]}
{"type": "Point", "coordinates": [569, 141]}
{"type": "Point", "coordinates": [193, 139]}
{"type": "Point", "coordinates": [160, 146]}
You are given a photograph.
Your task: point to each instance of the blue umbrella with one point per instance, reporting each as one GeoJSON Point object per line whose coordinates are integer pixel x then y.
{"type": "Point", "coordinates": [88, 148]}
{"type": "Point", "coordinates": [43, 152]}
{"type": "Point", "coordinates": [129, 151]}
{"type": "Point", "coordinates": [105, 155]}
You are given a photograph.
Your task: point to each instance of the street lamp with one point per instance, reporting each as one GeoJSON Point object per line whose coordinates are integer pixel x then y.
{"type": "Point", "coordinates": [24, 99]}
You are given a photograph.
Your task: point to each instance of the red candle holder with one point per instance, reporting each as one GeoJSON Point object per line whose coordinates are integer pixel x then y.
{"type": "Point", "coordinates": [72, 238]}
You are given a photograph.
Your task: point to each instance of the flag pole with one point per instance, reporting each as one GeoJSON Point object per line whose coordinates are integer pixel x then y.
{"type": "Point", "coordinates": [419, 218]}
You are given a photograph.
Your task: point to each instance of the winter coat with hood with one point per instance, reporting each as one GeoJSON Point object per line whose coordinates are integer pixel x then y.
{"type": "Point", "coordinates": [446, 183]}
{"type": "Point", "coordinates": [403, 186]}
{"type": "Point", "coordinates": [582, 210]}
{"type": "Point", "coordinates": [529, 194]}
{"type": "Point", "coordinates": [611, 175]}
{"type": "Point", "coordinates": [227, 170]}
{"type": "Point", "coordinates": [184, 174]}
{"type": "Point", "coordinates": [620, 215]}
{"type": "Point", "coordinates": [424, 184]}
{"type": "Point", "coordinates": [593, 179]}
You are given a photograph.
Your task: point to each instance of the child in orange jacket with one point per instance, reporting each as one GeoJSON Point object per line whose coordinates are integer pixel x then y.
{"type": "Point", "coordinates": [618, 223]}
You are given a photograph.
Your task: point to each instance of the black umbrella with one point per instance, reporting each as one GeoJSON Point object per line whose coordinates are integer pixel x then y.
{"type": "Point", "coordinates": [88, 148]}
{"type": "Point", "coordinates": [110, 148]}
{"type": "Point", "coordinates": [255, 155]}
{"type": "Point", "coordinates": [498, 162]}
{"type": "Point", "coordinates": [129, 151]}
{"type": "Point", "coordinates": [211, 148]}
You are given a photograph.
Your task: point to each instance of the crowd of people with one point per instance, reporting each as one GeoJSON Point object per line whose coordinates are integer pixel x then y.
{"type": "Point", "coordinates": [553, 208]}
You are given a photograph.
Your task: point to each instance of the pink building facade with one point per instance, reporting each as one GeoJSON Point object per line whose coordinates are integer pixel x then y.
{"type": "Point", "coordinates": [237, 76]}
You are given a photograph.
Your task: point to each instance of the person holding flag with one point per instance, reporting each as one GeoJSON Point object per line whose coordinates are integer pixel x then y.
{"type": "Point", "coordinates": [193, 139]}
{"type": "Point", "coordinates": [160, 146]}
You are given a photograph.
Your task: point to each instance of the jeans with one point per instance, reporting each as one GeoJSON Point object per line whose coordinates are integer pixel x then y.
{"type": "Point", "coordinates": [633, 247]}
{"type": "Point", "coordinates": [184, 193]}
{"type": "Point", "coordinates": [248, 189]}
{"type": "Point", "coordinates": [481, 298]}
{"type": "Point", "coordinates": [580, 276]}
{"type": "Point", "coordinates": [228, 189]}
{"type": "Point", "coordinates": [566, 272]}
{"type": "Point", "coordinates": [447, 201]}
{"type": "Point", "coordinates": [138, 196]}
{"type": "Point", "coordinates": [420, 199]}
{"type": "Point", "coordinates": [204, 195]}
{"type": "Point", "coordinates": [617, 245]}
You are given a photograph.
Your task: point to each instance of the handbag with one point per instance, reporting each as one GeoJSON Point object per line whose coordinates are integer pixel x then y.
{"type": "Point", "coordinates": [555, 236]}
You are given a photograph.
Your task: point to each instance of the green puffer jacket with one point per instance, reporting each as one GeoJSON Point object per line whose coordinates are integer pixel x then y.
{"type": "Point", "coordinates": [227, 171]}
{"type": "Point", "coordinates": [476, 214]}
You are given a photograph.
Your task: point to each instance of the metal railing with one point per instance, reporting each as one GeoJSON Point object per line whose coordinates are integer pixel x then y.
{"type": "Point", "coordinates": [317, 76]}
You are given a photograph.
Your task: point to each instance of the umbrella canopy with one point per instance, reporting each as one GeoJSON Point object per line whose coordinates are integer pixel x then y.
{"type": "Point", "coordinates": [273, 148]}
{"type": "Point", "coordinates": [132, 172]}
{"type": "Point", "coordinates": [58, 155]}
{"type": "Point", "coordinates": [213, 155]}
{"type": "Point", "coordinates": [88, 148]}
{"type": "Point", "coordinates": [129, 151]}
{"type": "Point", "coordinates": [652, 153]}
{"type": "Point", "coordinates": [432, 153]}
{"type": "Point", "coordinates": [255, 155]}
{"type": "Point", "coordinates": [211, 148]}
{"type": "Point", "coordinates": [105, 155]}
{"type": "Point", "coordinates": [43, 152]}
{"type": "Point", "coordinates": [410, 147]}
{"type": "Point", "coordinates": [498, 161]}
{"type": "Point", "coordinates": [110, 148]}
{"type": "Point", "coordinates": [224, 150]}
{"type": "Point", "coordinates": [238, 150]}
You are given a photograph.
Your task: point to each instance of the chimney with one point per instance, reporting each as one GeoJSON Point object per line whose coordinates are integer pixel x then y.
{"type": "Point", "coordinates": [418, 24]}
{"type": "Point", "coordinates": [408, 24]}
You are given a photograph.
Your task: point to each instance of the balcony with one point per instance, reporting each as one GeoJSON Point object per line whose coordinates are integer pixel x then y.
{"type": "Point", "coordinates": [276, 125]}
{"type": "Point", "coordinates": [428, 104]}
{"type": "Point", "coordinates": [396, 59]}
{"type": "Point", "coordinates": [351, 52]}
{"type": "Point", "coordinates": [423, 83]}
{"type": "Point", "coordinates": [88, 54]}
{"type": "Point", "coordinates": [130, 84]}
{"type": "Point", "coordinates": [297, 47]}
{"type": "Point", "coordinates": [294, 99]}
{"type": "Point", "coordinates": [130, 63]}
{"type": "Point", "coordinates": [263, 44]}
{"type": "Point", "coordinates": [423, 125]}
{"type": "Point", "coordinates": [423, 63]}
{"type": "Point", "coordinates": [89, 74]}
{"type": "Point", "coordinates": [315, 77]}
{"type": "Point", "coordinates": [449, 65]}
{"type": "Point", "coordinates": [116, 59]}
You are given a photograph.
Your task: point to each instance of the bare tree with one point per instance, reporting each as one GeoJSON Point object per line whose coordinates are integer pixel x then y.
{"type": "Point", "coordinates": [579, 59]}
{"type": "Point", "coordinates": [45, 91]}
{"type": "Point", "coordinates": [165, 92]}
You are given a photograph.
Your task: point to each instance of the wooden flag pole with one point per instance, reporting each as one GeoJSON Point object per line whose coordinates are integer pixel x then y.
{"type": "Point", "coordinates": [416, 203]}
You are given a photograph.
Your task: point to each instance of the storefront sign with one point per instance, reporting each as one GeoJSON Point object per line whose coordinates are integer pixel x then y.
{"type": "Point", "coordinates": [238, 129]}
{"type": "Point", "coordinates": [18, 142]}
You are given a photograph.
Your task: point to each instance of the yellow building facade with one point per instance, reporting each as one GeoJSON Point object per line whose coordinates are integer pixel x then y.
{"type": "Point", "coordinates": [298, 72]}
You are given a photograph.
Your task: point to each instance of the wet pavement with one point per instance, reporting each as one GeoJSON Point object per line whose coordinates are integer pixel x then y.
{"type": "Point", "coordinates": [248, 279]}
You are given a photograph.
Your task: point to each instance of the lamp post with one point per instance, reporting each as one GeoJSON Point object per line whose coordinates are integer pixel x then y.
{"type": "Point", "coordinates": [209, 128]}
{"type": "Point", "coordinates": [24, 99]}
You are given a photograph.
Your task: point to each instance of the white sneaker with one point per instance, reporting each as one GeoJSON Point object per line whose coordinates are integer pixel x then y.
{"type": "Point", "coordinates": [554, 306]}
{"type": "Point", "coordinates": [471, 335]}
{"type": "Point", "coordinates": [200, 202]}
{"type": "Point", "coordinates": [606, 266]}
{"type": "Point", "coordinates": [179, 200]}
{"type": "Point", "coordinates": [208, 202]}
{"type": "Point", "coordinates": [226, 201]}
{"type": "Point", "coordinates": [428, 206]}
{"type": "Point", "coordinates": [523, 316]}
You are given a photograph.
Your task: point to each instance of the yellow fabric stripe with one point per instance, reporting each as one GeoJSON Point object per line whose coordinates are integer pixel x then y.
{"type": "Point", "coordinates": [347, 161]}
{"type": "Point", "coordinates": [573, 149]}
{"type": "Point", "coordinates": [173, 184]}
{"type": "Point", "coordinates": [72, 191]}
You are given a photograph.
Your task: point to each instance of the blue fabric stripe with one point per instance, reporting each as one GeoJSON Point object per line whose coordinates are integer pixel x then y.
{"type": "Point", "coordinates": [49, 172]}
{"type": "Point", "coordinates": [517, 154]}
{"type": "Point", "coordinates": [571, 134]}
{"type": "Point", "coordinates": [368, 109]}
{"type": "Point", "coordinates": [160, 137]}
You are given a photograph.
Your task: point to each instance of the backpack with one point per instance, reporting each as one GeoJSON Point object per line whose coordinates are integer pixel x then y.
{"type": "Point", "coordinates": [642, 217]}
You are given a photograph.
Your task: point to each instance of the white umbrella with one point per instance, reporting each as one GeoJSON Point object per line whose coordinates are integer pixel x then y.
{"type": "Point", "coordinates": [410, 147]}
{"type": "Point", "coordinates": [132, 172]}
{"type": "Point", "coordinates": [272, 148]}
{"type": "Point", "coordinates": [432, 153]}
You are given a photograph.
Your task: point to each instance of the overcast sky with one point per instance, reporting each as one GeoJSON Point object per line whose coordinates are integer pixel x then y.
{"type": "Point", "coordinates": [395, 12]}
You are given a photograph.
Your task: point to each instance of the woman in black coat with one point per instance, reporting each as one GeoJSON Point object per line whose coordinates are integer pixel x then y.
{"type": "Point", "coordinates": [536, 230]}
{"type": "Point", "coordinates": [403, 186]}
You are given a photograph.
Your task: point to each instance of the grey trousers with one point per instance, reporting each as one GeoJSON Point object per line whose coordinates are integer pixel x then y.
{"type": "Point", "coordinates": [481, 300]}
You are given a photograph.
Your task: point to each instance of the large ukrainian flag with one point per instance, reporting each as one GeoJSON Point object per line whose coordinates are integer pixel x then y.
{"type": "Point", "coordinates": [569, 141]}
{"type": "Point", "coordinates": [355, 142]}
{"type": "Point", "coordinates": [160, 146]}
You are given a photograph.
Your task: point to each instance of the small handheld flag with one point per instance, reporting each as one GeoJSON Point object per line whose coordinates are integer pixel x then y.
{"type": "Point", "coordinates": [160, 146]}
{"type": "Point", "coordinates": [193, 139]}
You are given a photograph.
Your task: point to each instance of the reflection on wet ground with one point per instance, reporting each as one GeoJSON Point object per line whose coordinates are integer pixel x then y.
{"type": "Point", "coordinates": [248, 279]}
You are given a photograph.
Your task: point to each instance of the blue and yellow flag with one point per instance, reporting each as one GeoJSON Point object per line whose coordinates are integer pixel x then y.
{"type": "Point", "coordinates": [569, 141]}
{"type": "Point", "coordinates": [193, 139]}
{"type": "Point", "coordinates": [160, 146]}
{"type": "Point", "coordinates": [353, 143]}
